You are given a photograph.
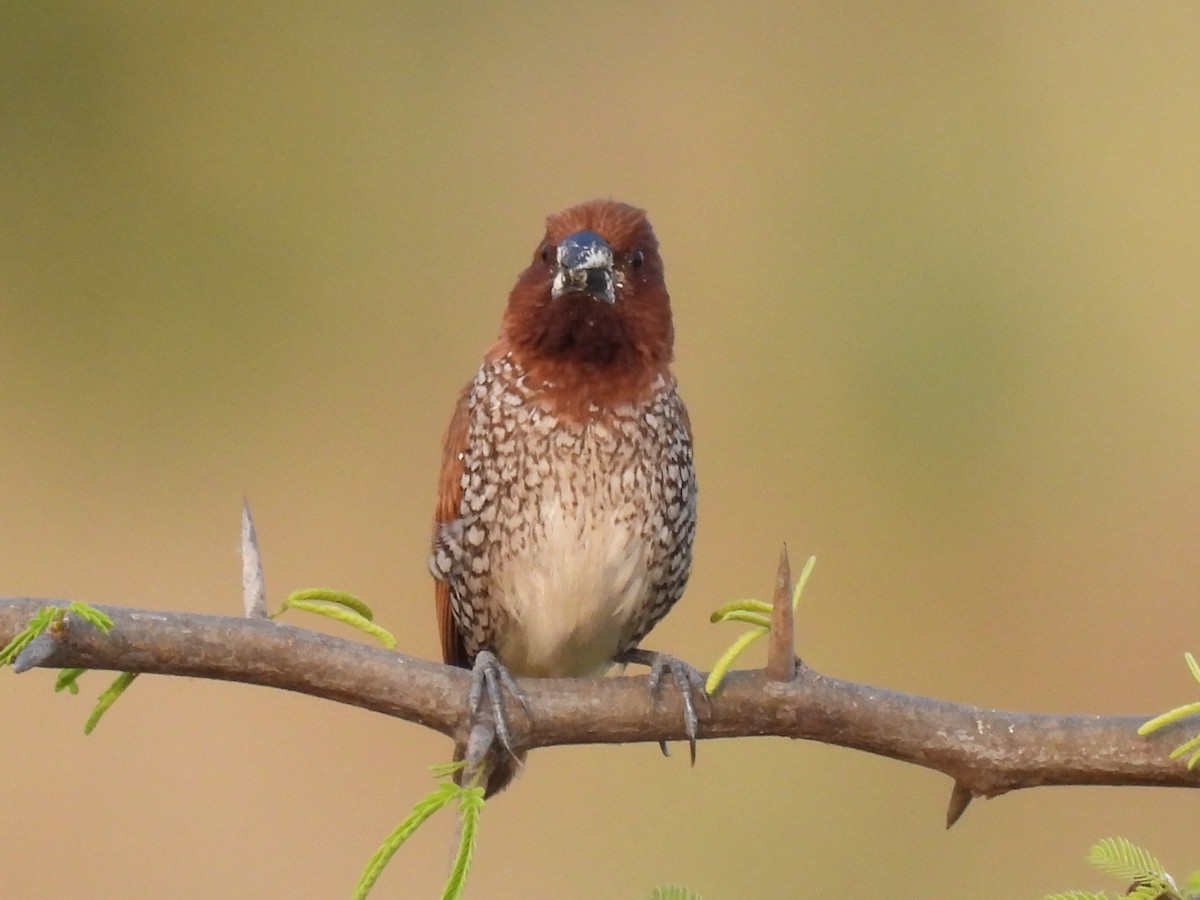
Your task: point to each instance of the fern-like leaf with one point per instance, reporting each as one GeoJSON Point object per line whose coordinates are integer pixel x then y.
{"type": "Point", "coordinates": [67, 680]}
{"type": "Point", "coordinates": [37, 623]}
{"type": "Point", "coordinates": [672, 892]}
{"type": "Point", "coordinates": [340, 606]}
{"type": "Point", "coordinates": [91, 615]}
{"type": "Point", "coordinates": [756, 614]}
{"type": "Point", "coordinates": [1125, 860]}
{"type": "Point", "coordinates": [1155, 889]}
{"type": "Point", "coordinates": [442, 795]}
{"type": "Point", "coordinates": [1193, 883]}
{"type": "Point", "coordinates": [107, 698]}
{"type": "Point", "coordinates": [470, 805]}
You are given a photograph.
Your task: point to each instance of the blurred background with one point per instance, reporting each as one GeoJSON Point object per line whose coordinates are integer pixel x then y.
{"type": "Point", "coordinates": [935, 278]}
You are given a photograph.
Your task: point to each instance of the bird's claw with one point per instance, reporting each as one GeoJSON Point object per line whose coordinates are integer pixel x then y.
{"type": "Point", "coordinates": [488, 675]}
{"type": "Point", "coordinates": [687, 679]}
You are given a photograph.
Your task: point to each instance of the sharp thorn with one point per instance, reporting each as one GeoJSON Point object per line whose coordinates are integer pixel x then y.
{"type": "Point", "coordinates": [254, 587]}
{"type": "Point", "coordinates": [36, 653]}
{"type": "Point", "coordinates": [960, 799]}
{"type": "Point", "coordinates": [781, 642]}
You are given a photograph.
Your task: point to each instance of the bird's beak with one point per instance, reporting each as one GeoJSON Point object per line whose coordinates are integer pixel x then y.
{"type": "Point", "coordinates": [585, 266]}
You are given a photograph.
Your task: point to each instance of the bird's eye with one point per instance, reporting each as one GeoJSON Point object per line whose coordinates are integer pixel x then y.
{"type": "Point", "coordinates": [636, 258]}
{"type": "Point", "coordinates": [547, 254]}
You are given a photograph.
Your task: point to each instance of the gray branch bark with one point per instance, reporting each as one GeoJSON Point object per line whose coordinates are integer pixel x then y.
{"type": "Point", "coordinates": [987, 752]}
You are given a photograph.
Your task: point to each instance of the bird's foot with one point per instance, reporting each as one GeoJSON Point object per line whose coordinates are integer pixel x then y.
{"type": "Point", "coordinates": [687, 679]}
{"type": "Point", "coordinates": [488, 678]}
{"type": "Point", "coordinates": [485, 762]}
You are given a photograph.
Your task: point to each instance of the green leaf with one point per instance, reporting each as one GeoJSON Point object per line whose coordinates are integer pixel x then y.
{"type": "Point", "coordinates": [446, 769]}
{"type": "Point", "coordinates": [426, 807]}
{"type": "Point", "coordinates": [1172, 716]}
{"type": "Point", "coordinates": [759, 620]}
{"type": "Point", "coordinates": [107, 698]}
{"type": "Point", "coordinates": [37, 623]}
{"type": "Point", "coordinates": [721, 667]}
{"type": "Point", "coordinates": [340, 606]}
{"type": "Point", "coordinates": [750, 606]}
{"type": "Point", "coordinates": [470, 806]}
{"type": "Point", "coordinates": [44, 618]}
{"type": "Point", "coordinates": [1128, 862]}
{"type": "Point", "coordinates": [755, 613]}
{"type": "Point", "coordinates": [67, 679]}
{"type": "Point", "coordinates": [333, 596]}
{"type": "Point", "coordinates": [1169, 717]}
{"type": "Point", "coordinates": [1193, 666]}
{"type": "Point", "coordinates": [1155, 889]}
{"type": "Point", "coordinates": [672, 892]}
{"type": "Point", "coordinates": [1124, 859]}
{"type": "Point", "coordinates": [91, 615]}
{"type": "Point", "coordinates": [1186, 747]}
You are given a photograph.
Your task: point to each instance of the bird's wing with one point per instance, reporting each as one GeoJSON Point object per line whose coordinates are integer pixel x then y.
{"type": "Point", "coordinates": [675, 550]}
{"type": "Point", "coordinates": [449, 497]}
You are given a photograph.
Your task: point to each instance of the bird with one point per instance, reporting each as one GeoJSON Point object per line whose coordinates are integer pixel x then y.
{"type": "Point", "coordinates": [566, 504]}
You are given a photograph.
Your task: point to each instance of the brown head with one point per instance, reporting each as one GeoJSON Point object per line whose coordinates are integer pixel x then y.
{"type": "Point", "coordinates": [591, 314]}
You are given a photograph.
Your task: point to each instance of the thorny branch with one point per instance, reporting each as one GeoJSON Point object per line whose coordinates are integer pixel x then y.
{"type": "Point", "coordinates": [986, 752]}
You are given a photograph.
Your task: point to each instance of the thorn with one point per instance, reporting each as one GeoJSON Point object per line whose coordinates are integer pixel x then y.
{"type": "Point", "coordinates": [781, 642]}
{"type": "Point", "coordinates": [960, 799]}
{"type": "Point", "coordinates": [36, 653]}
{"type": "Point", "coordinates": [254, 586]}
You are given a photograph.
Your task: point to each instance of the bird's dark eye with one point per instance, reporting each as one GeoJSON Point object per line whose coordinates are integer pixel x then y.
{"type": "Point", "coordinates": [547, 254]}
{"type": "Point", "coordinates": [636, 258]}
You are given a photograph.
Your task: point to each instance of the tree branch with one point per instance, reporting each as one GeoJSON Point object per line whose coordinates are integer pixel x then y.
{"type": "Point", "coordinates": [986, 752]}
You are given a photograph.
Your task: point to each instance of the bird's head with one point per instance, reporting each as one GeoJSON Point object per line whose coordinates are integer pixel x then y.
{"type": "Point", "coordinates": [594, 296]}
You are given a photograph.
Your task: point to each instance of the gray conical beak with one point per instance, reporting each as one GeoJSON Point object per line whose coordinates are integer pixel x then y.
{"type": "Point", "coordinates": [585, 266]}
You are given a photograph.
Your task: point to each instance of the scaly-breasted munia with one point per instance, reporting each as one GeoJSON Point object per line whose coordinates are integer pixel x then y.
{"type": "Point", "coordinates": [566, 507]}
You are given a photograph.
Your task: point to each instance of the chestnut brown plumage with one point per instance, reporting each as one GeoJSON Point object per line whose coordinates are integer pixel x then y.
{"type": "Point", "coordinates": [566, 507]}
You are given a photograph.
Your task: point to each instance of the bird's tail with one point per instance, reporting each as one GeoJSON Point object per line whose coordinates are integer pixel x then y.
{"type": "Point", "coordinates": [498, 768]}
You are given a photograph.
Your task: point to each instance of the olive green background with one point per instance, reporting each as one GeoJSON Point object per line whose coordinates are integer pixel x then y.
{"type": "Point", "coordinates": [935, 273]}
